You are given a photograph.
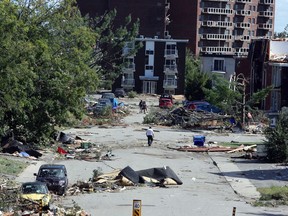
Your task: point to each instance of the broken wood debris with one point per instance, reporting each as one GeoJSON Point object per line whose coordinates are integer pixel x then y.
{"type": "Point", "coordinates": [202, 149]}
{"type": "Point", "coordinates": [189, 118]}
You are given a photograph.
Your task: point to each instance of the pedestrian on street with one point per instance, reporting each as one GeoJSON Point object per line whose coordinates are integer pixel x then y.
{"type": "Point", "coordinates": [140, 105]}
{"type": "Point", "coordinates": [150, 136]}
{"type": "Point", "coordinates": [144, 107]}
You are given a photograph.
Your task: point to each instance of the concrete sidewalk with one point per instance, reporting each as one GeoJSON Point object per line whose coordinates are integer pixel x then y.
{"type": "Point", "coordinates": [234, 176]}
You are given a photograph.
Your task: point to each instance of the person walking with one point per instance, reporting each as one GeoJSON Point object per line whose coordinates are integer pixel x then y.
{"type": "Point", "coordinates": [144, 107]}
{"type": "Point", "coordinates": [150, 136]}
{"type": "Point", "coordinates": [140, 106]}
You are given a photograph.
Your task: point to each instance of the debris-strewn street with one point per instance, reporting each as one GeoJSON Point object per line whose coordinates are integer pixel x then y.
{"type": "Point", "coordinates": [110, 166]}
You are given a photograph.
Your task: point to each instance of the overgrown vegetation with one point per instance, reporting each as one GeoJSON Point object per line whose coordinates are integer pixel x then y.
{"type": "Point", "coordinates": [273, 196]}
{"type": "Point", "coordinates": [11, 167]}
{"type": "Point", "coordinates": [231, 96]}
{"type": "Point", "coordinates": [50, 58]}
{"type": "Point", "coordinates": [277, 142]}
{"type": "Point", "coordinates": [132, 94]}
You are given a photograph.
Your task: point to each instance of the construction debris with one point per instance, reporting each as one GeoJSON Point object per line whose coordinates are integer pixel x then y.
{"type": "Point", "coordinates": [189, 118]}
{"type": "Point", "coordinates": [118, 180]}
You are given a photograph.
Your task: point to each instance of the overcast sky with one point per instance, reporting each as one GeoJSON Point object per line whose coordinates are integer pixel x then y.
{"type": "Point", "coordinates": [281, 15]}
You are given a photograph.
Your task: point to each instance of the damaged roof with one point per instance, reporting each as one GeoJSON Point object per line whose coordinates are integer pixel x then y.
{"type": "Point", "coordinates": [278, 51]}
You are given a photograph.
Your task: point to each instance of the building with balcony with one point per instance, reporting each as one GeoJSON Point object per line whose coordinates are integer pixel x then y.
{"type": "Point", "coordinates": [221, 29]}
{"type": "Point", "coordinates": [269, 67]}
{"type": "Point", "coordinates": [159, 65]}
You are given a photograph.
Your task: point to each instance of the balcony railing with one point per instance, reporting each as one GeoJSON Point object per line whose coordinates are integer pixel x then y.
{"type": "Point", "coordinates": [268, 2]}
{"type": "Point", "coordinates": [223, 24]}
{"type": "Point", "coordinates": [243, 1]}
{"type": "Point", "coordinates": [171, 53]}
{"type": "Point", "coordinates": [219, 0]}
{"type": "Point", "coordinates": [243, 12]}
{"type": "Point", "coordinates": [128, 83]}
{"type": "Point", "coordinates": [241, 51]}
{"type": "Point", "coordinates": [129, 66]}
{"type": "Point", "coordinates": [223, 50]}
{"type": "Point", "coordinates": [216, 36]}
{"type": "Point", "coordinates": [223, 11]}
{"type": "Point", "coordinates": [243, 25]}
{"type": "Point", "coordinates": [171, 69]}
{"type": "Point", "coordinates": [169, 84]}
{"type": "Point", "coordinates": [265, 26]}
{"type": "Point", "coordinates": [266, 13]}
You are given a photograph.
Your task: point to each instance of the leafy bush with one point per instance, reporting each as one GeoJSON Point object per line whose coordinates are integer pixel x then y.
{"type": "Point", "coordinates": [132, 94]}
{"type": "Point", "coordinates": [277, 139]}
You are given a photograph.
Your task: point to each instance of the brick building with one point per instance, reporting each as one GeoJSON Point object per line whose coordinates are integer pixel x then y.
{"type": "Point", "coordinates": [219, 31]}
{"type": "Point", "coordinates": [159, 66]}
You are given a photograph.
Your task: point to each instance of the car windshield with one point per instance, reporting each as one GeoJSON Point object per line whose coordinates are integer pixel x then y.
{"type": "Point", "coordinates": [34, 188]}
{"type": "Point", "coordinates": [52, 172]}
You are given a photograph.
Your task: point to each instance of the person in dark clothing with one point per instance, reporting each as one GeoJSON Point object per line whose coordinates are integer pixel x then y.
{"type": "Point", "coordinates": [144, 106]}
{"type": "Point", "coordinates": [140, 105]}
{"type": "Point", "coordinates": [150, 136]}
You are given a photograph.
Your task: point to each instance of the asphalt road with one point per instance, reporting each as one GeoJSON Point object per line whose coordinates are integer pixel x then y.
{"type": "Point", "coordinates": [207, 189]}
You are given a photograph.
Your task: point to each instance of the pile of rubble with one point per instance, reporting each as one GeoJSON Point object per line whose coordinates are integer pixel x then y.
{"type": "Point", "coordinates": [118, 180]}
{"type": "Point", "coordinates": [189, 118]}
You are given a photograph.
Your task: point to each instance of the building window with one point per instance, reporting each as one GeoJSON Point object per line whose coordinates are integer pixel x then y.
{"type": "Point", "coordinates": [148, 67]}
{"type": "Point", "coordinates": [218, 65]}
{"type": "Point", "coordinates": [254, 8]}
{"type": "Point", "coordinates": [249, 20]}
{"type": "Point", "coordinates": [253, 20]}
{"type": "Point", "coordinates": [149, 52]}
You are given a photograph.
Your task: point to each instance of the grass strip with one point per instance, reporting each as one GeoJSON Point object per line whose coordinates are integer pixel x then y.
{"type": "Point", "coordinates": [11, 167]}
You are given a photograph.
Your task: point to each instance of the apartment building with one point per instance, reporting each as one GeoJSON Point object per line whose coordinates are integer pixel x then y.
{"type": "Point", "coordinates": [220, 31]}
{"type": "Point", "coordinates": [159, 65]}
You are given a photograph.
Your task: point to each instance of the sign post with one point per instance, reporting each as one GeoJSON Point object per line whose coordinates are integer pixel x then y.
{"type": "Point", "coordinates": [234, 211]}
{"type": "Point", "coordinates": [137, 207]}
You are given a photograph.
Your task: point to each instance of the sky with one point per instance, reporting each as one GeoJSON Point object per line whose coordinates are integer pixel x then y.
{"type": "Point", "coordinates": [281, 15]}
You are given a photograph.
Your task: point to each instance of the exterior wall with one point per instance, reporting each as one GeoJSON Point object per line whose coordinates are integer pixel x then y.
{"type": "Point", "coordinates": [184, 23]}
{"type": "Point", "coordinates": [151, 14]}
{"type": "Point", "coordinates": [208, 65]}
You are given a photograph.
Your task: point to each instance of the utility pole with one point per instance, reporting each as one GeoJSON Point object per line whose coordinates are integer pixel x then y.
{"type": "Point", "coordinates": [242, 81]}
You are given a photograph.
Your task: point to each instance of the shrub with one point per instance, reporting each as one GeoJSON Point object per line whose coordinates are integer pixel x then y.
{"type": "Point", "coordinates": [132, 94]}
{"type": "Point", "coordinates": [277, 142]}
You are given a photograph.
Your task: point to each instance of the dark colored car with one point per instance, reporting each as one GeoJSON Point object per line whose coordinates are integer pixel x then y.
{"type": "Point", "coordinates": [102, 104]}
{"type": "Point", "coordinates": [108, 95]}
{"type": "Point", "coordinates": [119, 92]}
{"type": "Point", "coordinates": [55, 177]}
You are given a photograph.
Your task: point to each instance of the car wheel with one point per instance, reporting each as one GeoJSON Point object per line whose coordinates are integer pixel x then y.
{"type": "Point", "coordinates": [61, 192]}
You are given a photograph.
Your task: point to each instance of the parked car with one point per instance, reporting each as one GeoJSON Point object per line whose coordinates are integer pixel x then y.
{"type": "Point", "coordinates": [119, 92]}
{"type": "Point", "coordinates": [108, 95]}
{"type": "Point", "coordinates": [103, 103]}
{"type": "Point", "coordinates": [201, 106]}
{"type": "Point", "coordinates": [55, 176]}
{"type": "Point", "coordinates": [36, 192]}
{"type": "Point", "coordinates": [165, 103]}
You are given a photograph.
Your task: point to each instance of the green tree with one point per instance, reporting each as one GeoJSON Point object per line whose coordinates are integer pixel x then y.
{"type": "Point", "coordinates": [277, 143]}
{"type": "Point", "coordinates": [195, 80]}
{"type": "Point", "coordinates": [110, 44]}
{"type": "Point", "coordinates": [283, 34]}
{"type": "Point", "coordinates": [223, 95]}
{"type": "Point", "coordinates": [45, 53]}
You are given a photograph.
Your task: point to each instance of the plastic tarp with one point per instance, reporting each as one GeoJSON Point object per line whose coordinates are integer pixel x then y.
{"type": "Point", "coordinates": [160, 174]}
{"type": "Point", "coordinates": [16, 146]}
